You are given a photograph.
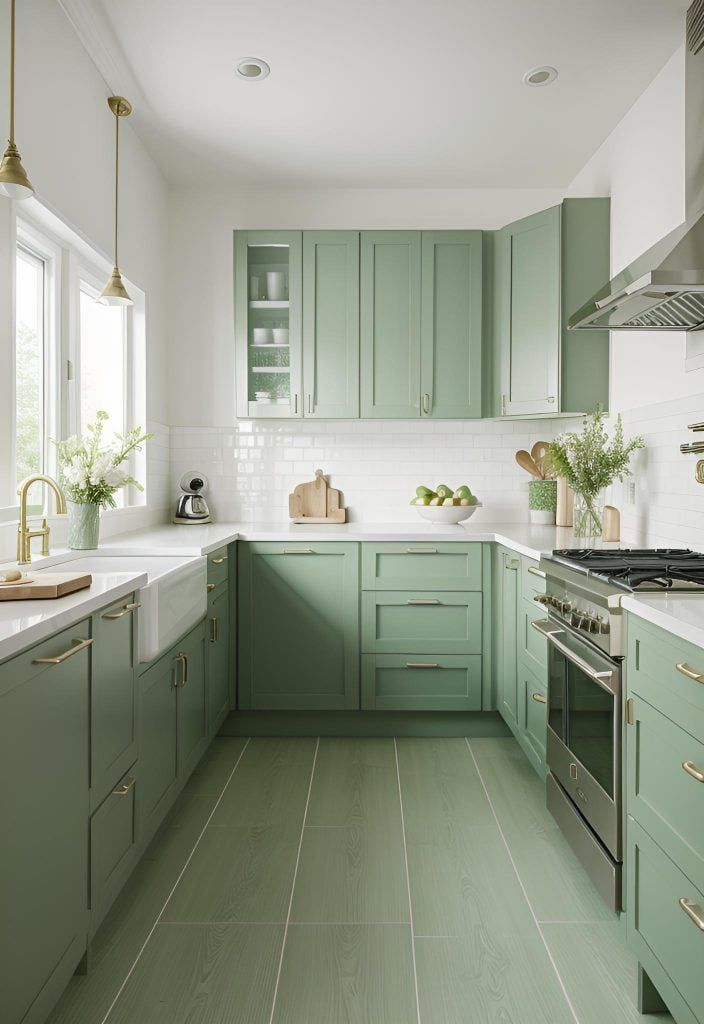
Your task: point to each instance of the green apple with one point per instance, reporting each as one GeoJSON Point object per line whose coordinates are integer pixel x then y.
{"type": "Point", "coordinates": [437, 500]}
{"type": "Point", "coordinates": [466, 501]}
{"type": "Point", "coordinates": [450, 501]}
{"type": "Point", "coordinates": [444, 491]}
{"type": "Point", "coordinates": [424, 492]}
{"type": "Point", "coordinates": [463, 492]}
{"type": "Point", "coordinates": [423, 500]}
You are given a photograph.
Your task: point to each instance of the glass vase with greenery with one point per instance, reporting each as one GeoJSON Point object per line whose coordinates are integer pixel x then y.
{"type": "Point", "coordinates": [91, 472]}
{"type": "Point", "coordinates": [590, 462]}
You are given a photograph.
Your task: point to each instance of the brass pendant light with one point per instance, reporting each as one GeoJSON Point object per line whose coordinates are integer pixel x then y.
{"type": "Point", "coordinates": [114, 293]}
{"type": "Point", "coordinates": [14, 182]}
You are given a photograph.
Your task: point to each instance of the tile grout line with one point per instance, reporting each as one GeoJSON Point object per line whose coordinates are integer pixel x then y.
{"type": "Point", "coordinates": [173, 888]}
{"type": "Point", "coordinates": [293, 884]}
{"type": "Point", "coordinates": [538, 924]}
{"type": "Point", "coordinates": [408, 884]}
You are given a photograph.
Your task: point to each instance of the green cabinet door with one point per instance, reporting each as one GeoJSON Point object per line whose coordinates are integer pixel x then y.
{"type": "Point", "coordinates": [218, 655]}
{"type": "Point", "coordinates": [529, 261]}
{"type": "Point", "coordinates": [44, 757]}
{"type": "Point", "coordinates": [157, 742]}
{"type": "Point", "coordinates": [113, 698]}
{"type": "Point", "coordinates": [506, 641]}
{"type": "Point", "coordinates": [451, 324]}
{"type": "Point", "coordinates": [298, 626]}
{"type": "Point", "coordinates": [390, 278]}
{"type": "Point", "coordinates": [191, 710]}
{"type": "Point", "coordinates": [331, 324]}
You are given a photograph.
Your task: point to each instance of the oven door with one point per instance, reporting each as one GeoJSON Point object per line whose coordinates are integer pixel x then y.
{"type": "Point", "coordinates": [584, 730]}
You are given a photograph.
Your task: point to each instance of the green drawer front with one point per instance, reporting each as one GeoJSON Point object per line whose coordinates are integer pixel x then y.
{"type": "Point", "coordinates": [439, 622]}
{"type": "Point", "coordinates": [666, 798]}
{"type": "Point", "coordinates": [532, 715]}
{"type": "Point", "coordinates": [423, 566]}
{"type": "Point", "coordinates": [657, 923]}
{"type": "Point", "coordinates": [532, 647]}
{"type": "Point", "coordinates": [217, 566]}
{"type": "Point", "coordinates": [653, 656]}
{"type": "Point", "coordinates": [113, 845]}
{"type": "Point", "coordinates": [532, 578]}
{"type": "Point", "coordinates": [422, 682]}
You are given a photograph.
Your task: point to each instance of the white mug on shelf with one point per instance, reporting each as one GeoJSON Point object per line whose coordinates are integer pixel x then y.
{"type": "Point", "coordinates": [276, 285]}
{"type": "Point", "coordinates": [280, 335]}
{"type": "Point", "coordinates": [262, 336]}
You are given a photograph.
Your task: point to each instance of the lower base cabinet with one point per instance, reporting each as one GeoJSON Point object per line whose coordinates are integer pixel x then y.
{"type": "Point", "coordinates": [218, 656]}
{"type": "Point", "coordinates": [113, 845]}
{"type": "Point", "coordinates": [532, 718]}
{"type": "Point", "coordinates": [44, 760]}
{"type": "Point", "coordinates": [424, 682]}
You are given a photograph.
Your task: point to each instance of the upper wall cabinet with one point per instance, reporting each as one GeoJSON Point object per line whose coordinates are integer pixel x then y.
{"type": "Point", "coordinates": [451, 324]}
{"type": "Point", "coordinates": [545, 266]}
{"type": "Point", "coordinates": [390, 324]}
{"type": "Point", "coordinates": [268, 295]}
{"type": "Point", "coordinates": [331, 324]}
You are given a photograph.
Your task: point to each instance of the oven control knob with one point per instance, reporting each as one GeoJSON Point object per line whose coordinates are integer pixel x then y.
{"type": "Point", "coordinates": [604, 628]}
{"type": "Point", "coordinates": [594, 623]}
{"type": "Point", "coordinates": [565, 607]}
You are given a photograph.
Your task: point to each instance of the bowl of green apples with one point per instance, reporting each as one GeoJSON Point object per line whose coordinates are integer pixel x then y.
{"type": "Point", "coordinates": [445, 506]}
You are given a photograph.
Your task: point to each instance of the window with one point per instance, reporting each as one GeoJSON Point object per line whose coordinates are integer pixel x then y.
{"type": "Point", "coordinates": [30, 324]}
{"type": "Point", "coordinates": [102, 359]}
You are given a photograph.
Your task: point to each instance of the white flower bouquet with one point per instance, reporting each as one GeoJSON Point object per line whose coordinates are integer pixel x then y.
{"type": "Point", "coordinates": [91, 471]}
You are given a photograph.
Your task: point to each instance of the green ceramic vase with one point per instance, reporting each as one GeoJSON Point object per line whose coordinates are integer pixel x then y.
{"type": "Point", "coordinates": [83, 526]}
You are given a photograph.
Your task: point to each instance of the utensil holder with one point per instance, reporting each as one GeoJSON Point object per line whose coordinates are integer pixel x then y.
{"type": "Point", "coordinates": [542, 501]}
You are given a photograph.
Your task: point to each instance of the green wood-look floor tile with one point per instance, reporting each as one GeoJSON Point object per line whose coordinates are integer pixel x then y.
{"type": "Point", "coordinates": [203, 974]}
{"type": "Point", "coordinates": [275, 752]}
{"type": "Point", "coordinates": [436, 757]}
{"type": "Point", "coordinates": [598, 971]}
{"type": "Point", "coordinates": [374, 753]}
{"type": "Point", "coordinates": [238, 874]}
{"type": "Point", "coordinates": [261, 794]}
{"type": "Point", "coordinates": [517, 794]}
{"type": "Point", "coordinates": [351, 875]}
{"type": "Point", "coordinates": [496, 746]}
{"type": "Point", "coordinates": [440, 799]}
{"type": "Point", "coordinates": [462, 879]}
{"type": "Point", "coordinates": [215, 767]}
{"type": "Point", "coordinates": [355, 783]}
{"type": "Point", "coordinates": [347, 974]}
{"type": "Point", "coordinates": [489, 979]}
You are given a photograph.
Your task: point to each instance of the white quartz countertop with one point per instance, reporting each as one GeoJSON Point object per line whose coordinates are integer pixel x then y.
{"type": "Point", "coordinates": [681, 614]}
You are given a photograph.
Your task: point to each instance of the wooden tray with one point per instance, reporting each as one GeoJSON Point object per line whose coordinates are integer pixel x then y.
{"type": "Point", "coordinates": [45, 585]}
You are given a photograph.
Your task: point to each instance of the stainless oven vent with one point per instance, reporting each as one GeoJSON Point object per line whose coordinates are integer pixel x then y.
{"type": "Point", "coordinates": [695, 26]}
{"type": "Point", "coordinates": [685, 310]}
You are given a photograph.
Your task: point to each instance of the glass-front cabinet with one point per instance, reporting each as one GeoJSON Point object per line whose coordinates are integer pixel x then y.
{"type": "Point", "coordinates": [268, 293]}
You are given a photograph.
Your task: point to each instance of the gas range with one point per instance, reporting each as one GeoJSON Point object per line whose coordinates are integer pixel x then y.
{"type": "Point", "coordinates": [584, 587]}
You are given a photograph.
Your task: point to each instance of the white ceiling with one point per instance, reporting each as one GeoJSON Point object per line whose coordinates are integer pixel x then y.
{"type": "Point", "coordinates": [385, 93]}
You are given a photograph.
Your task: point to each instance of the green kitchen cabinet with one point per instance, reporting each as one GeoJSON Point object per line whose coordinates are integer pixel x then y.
{"type": "Point", "coordinates": [451, 324]}
{"type": "Point", "coordinates": [390, 304]}
{"type": "Point", "coordinates": [268, 356]}
{"type": "Point", "coordinates": [113, 706]}
{"type": "Point", "coordinates": [422, 682]}
{"type": "Point", "coordinates": [532, 715]}
{"type": "Point", "coordinates": [545, 266]}
{"type": "Point", "coordinates": [507, 566]}
{"type": "Point", "coordinates": [114, 844]}
{"type": "Point", "coordinates": [44, 807]}
{"type": "Point", "coordinates": [428, 622]}
{"type": "Point", "coordinates": [218, 656]}
{"type": "Point", "coordinates": [298, 629]}
{"type": "Point", "coordinates": [331, 324]}
{"type": "Point", "coordinates": [191, 708]}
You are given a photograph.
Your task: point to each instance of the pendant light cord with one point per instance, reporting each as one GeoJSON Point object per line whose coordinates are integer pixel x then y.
{"type": "Point", "coordinates": [117, 173]}
{"type": "Point", "coordinates": [12, 71]}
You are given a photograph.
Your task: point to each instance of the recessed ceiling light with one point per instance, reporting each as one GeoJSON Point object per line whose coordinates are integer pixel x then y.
{"type": "Point", "coordinates": [253, 69]}
{"type": "Point", "coordinates": [540, 76]}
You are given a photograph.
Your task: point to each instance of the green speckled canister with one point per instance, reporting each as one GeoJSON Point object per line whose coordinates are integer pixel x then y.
{"type": "Point", "coordinates": [542, 501]}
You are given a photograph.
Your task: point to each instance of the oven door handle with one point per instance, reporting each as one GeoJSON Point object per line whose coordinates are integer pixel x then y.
{"type": "Point", "coordinates": [602, 679]}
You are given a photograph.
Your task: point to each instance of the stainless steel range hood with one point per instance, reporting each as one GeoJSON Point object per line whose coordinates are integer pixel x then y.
{"type": "Point", "coordinates": [663, 290]}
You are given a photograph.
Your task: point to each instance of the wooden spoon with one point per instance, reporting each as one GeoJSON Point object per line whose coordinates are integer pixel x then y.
{"type": "Point", "coordinates": [540, 453]}
{"type": "Point", "coordinates": [525, 461]}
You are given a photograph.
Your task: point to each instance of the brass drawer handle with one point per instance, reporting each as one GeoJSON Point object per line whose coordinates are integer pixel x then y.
{"type": "Point", "coordinates": [426, 404]}
{"type": "Point", "coordinates": [218, 561]}
{"type": "Point", "coordinates": [686, 670]}
{"type": "Point", "coordinates": [539, 699]}
{"type": "Point", "coordinates": [421, 551]}
{"type": "Point", "coordinates": [422, 664]}
{"type": "Point", "coordinates": [536, 572]}
{"type": "Point", "coordinates": [693, 911]}
{"type": "Point", "coordinates": [123, 611]}
{"type": "Point", "coordinates": [213, 629]}
{"type": "Point", "coordinates": [184, 656]}
{"type": "Point", "coordinates": [298, 551]}
{"type": "Point", "coordinates": [691, 769]}
{"type": "Point", "coordinates": [210, 586]}
{"type": "Point", "coordinates": [79, 645]}
{"type": "Point", "coordinates": [423, 600]}
{"type": "Point", "coordinates": [126, 786]}
{"type": "Point", "coordinates": [512, 563]}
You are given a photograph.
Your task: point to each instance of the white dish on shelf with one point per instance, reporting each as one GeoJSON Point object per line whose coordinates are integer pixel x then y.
{"type": "Point", "coordinates": [447, 515]}
{"type": "Point", "coordinates": [262, 336]}
{"type": "Point", "coordinates": [280, 335]}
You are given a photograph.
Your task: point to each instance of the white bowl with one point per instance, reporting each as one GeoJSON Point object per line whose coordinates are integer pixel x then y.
{"type": "Point", "coordinates": [447, 514]}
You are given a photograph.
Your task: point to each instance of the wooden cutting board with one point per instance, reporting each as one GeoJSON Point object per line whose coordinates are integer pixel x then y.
{"type": "Point", "coordinates": [316, 502]}
{"type": "Point", "coordinates": [45, 585]}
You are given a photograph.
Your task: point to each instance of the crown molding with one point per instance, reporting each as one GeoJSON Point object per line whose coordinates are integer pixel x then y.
{"type": "Point", "coordinates": [98, 39]}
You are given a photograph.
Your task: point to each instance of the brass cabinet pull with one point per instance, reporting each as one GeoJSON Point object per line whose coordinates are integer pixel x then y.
{"type": "Point", "coordinates": [423, 600]}
{"type": "Point", "coordinates": [184, 656]}
{"type": "Point", "coordinates": [298, 551]}
{"type": "Point", "coordinates": [691, 769]}
{"type": "Point", "coordinates": [421, 551]}
{"type": "Point", "coordinates": [426, 404]}
{"type": "Point", "coordinates": [218, 561]}
{"type": "Point", "coordinates": [295, 405]}
{"type": "Point", "coordinates": [210, 586]}
{"type": "Point", "coordinates": [422, 664]}
{"type": "Point", "coordinates": [512, 563]}
{"type": "Point", "coordinates": [686, 670]}
{"type": "Point", "coordinates": [539, 698]}
{"type": "Point", "coordinates": [79, 645]}
{"type": "Point", "coordinates": [629, 711]}
{"type": "Point", "coordinates": [310, 403]}
{"type": "Point", "coordinates": [126, 786]}
{"type": "Point", "coordinates": [213, 629]}
{"type": "Point", "coordinates": [178, 659]}
{"type": "Point", "coordinates": [123, 611]}
{"type": "Point", "coordinates": [693, 911]}
{"type": "Point", "coordinates": [534, 571]}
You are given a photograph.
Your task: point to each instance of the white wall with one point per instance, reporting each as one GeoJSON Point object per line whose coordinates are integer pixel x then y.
{"type": "Point", "coordinates": [65, 134]}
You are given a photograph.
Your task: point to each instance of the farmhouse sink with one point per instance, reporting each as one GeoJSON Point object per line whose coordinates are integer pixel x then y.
{"type": "Point", "coordinates": [172, 602]}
